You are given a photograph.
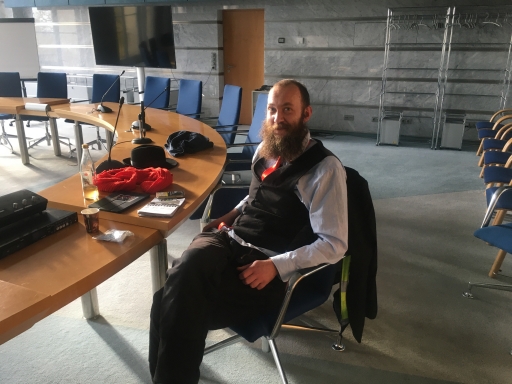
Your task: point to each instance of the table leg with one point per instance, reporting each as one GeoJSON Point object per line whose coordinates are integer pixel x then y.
{"type": "Point", "coordinates": [79, 140]}
{"type": "Point", "coordinates": [55, 136]}
{"type": "Point", "coordinates": [22, 140]}
{"type": "Point", "coordinates": [158, 259]}
{"type": "Point", "coordinates": [90, 306]}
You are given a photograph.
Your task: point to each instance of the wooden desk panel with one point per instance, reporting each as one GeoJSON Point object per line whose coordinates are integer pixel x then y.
{"type": "Point", "coordinates": [70, 263]}
{"type": "Point", "coordinates": [20, 309]}
{"type": "Point", "coordinates": [197, 174]}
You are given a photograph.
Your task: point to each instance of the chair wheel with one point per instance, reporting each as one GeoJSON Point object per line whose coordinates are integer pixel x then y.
{"type": "Point", "coordinates": [467, 295]}
{"type": "Point", "coordinates": [338, 347]}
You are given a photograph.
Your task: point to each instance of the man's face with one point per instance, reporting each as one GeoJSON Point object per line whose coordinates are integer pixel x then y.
{"type": "Point", "coordinates": [284, 129]}
{"type": "Point", "coordinates": [285, 111]}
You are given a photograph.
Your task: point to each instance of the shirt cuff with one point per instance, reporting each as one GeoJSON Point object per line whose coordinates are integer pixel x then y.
{"type": "Point", "coordinates": [285, 267]}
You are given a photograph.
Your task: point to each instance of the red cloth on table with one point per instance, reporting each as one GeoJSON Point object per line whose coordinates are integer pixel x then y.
{"type": "Point", "coordinates": [151, 180]}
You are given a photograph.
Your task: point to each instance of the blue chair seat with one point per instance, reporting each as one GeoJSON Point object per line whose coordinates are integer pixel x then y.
{"type": "Point", "coordinates": [496, 157]}
{"type": "Point", "coordinates": [499, 236]}
{"type": "Point", "coordinates": [309, 294]}
{"type": "Point", "coordinates": [505, 200]}
{"type": "Point", "coordinates": [494, 174]}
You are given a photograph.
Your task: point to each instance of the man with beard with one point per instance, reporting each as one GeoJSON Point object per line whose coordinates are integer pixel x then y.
{"type": "Point", "coordinates": [294, 217]}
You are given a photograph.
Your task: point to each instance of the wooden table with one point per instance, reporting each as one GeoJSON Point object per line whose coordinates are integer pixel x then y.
{"type": "Point", "coordinates": [45, 276]}
{"type": "Point", "coordinates": [49, 274]}
{"type": "Point", "coordinates": [16, 106]}
{"type": "Point", "coordinates": [197, 174]}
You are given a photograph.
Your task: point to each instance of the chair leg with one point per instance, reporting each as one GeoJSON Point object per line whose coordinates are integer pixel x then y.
{"type": "Point", "coordinates": [481, 161]}
{"type": "Point", "coordinates": [275, 353]}
{"type": "Point", "coordinates": [265, 347]}
{"type": "Point", "coordinates": [480, 147]}
{"type": "Point", "coordinates": [4, 138]}
{"type": "Point", "coordinates": [499, 287]}
{"type": "Point", "coordinates": [46, 137]}
{"type": "Point", "coordinates": [221, 344]}
{"type": "Point", "coordinates": [497, 263]}
{"type": "Point", "coordinates": [339, 346]}
{"type": "Point", "coordinates": [500, 216]}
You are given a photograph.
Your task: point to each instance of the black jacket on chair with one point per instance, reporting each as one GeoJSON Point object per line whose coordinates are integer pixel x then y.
{"type": "Point", "coordinates": [362, 246]}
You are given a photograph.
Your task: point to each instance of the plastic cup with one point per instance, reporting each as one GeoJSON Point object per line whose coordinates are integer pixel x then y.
{"type": "Point", "coordinates": [91, 219]}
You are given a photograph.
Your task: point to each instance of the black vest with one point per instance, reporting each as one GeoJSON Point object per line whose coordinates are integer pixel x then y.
{"type": "Point", "coordinates": [274, 217]}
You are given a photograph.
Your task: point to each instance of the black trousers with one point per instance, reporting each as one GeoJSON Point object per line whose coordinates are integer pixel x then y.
{"type": "Point", "coordinates": [202, 292]}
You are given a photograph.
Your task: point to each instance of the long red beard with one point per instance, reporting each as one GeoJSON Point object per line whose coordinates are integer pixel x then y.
{"type": "Point", "coordinates": [289, 146]}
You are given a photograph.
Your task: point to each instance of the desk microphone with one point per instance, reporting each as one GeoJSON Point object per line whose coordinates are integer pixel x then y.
{"type": "Point", "coordinates": [142, 139]}
{"type": "Point", "coordinates": [109, 163]}
{"type": "Point", "coordinates": [147, 127]}
{"type": "Point", "coordinates": [101, 107]}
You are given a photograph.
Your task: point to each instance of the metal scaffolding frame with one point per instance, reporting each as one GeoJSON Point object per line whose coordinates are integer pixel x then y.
{"type": "Point", "coordinates": [437, 18]}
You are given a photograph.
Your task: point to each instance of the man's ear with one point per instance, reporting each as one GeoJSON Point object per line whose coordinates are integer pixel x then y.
{"type": "Point", "coordinates": [307, 113]}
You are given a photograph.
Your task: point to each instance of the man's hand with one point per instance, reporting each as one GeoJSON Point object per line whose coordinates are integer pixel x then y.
{"type": "Point", "coordinates": [258, 274]}
{"type": "Point", "coordinates": [228, 219]}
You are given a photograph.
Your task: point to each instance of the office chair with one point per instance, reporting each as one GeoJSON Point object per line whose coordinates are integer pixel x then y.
{"type": "Point", "coordinates": [494, 178]}
{"type": "Point", "coordinates": [499, 236]}
{"type": "Point", "coordinates": [153, 92]}
{"type": "Point", "coordinates": [49, 85]}
{"type": "Point", "coordinates": [307, 289]}
{"type": "Point", "coordinates": [10, 86]}
{"type": "Point", "coordinates": [100, 84]}
{"type": "Point", "coordinates": [241, 161]}
{"type": "Point", "coordinates": [227, 121]}
{"type": "Point", "coordinates": [190, 98]}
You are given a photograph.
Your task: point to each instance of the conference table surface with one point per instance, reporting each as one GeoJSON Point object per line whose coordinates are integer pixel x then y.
{"type": "Point", "coordinates": [16, 105]}
{"type": "Point", "coordinates": [49, 274]}
{"type": "Point", "coordinates": [196, 174]}
{"type": "Point", "coordinates": [45, 276]}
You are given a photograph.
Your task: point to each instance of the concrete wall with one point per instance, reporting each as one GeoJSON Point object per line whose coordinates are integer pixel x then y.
{"type": "Point", "coordinates": [336, 48]}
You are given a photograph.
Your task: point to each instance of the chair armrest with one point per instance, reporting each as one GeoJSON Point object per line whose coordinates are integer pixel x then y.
{"type": "Point", "coordinates": [290, 287]}
{"type": "Point", "coordinates": [492, 204]}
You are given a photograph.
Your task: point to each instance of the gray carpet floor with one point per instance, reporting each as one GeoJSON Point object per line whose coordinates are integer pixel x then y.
{"type": "Point", "coordinates": [428, 204]}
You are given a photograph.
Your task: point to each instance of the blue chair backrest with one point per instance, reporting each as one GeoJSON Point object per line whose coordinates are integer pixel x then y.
{"type": "Point", "coordinates": [495, 174]}
{"type": "Point", "coordinates": [51, 84]}
{"type": "Point", "coordinates": [230, 111]}
{"type": "Point", "coordinates": [10, 84]}
{"type": "Point", "coordinates": [154, 87]}
{"type": "Point", "coordinates": [100, 84]}
{"type": "Point", "coordinates": [259, 116]}
{"type": "Point", "coordinates": [190, 98]}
